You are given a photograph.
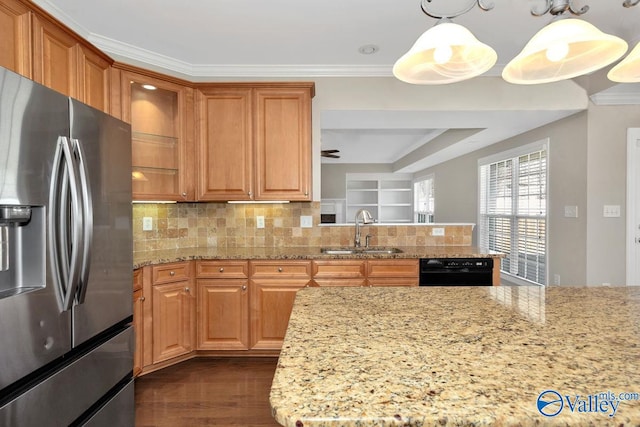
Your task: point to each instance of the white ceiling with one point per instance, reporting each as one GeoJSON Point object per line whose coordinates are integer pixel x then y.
{"type": "Point", "coordinates": [204, 40]}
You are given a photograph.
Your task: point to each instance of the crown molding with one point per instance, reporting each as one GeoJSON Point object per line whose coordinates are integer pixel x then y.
{"type": "Point", "coordinates": [616, 98]}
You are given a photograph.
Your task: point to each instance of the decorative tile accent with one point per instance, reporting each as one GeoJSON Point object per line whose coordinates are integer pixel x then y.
{"type": "Point", "coordinates": [223, 225]}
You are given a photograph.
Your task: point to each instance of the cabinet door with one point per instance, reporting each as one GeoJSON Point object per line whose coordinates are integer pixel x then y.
{"type": "Point", "coordinates": [93, 79]}
{"type": "Point", "coordinates": [138, 327]}
{"type": "Point", "coordinates": [15, 37]}
{"type": "Point", "coordinates": [161, 137]}
{"type": "Point", "coordinates": [173, 320]}
{"type": "Point", "coordinates": [271, 305]}
{"type": "Point", "coordinates": [223, 314]}
{"type": "Point", "coordinates": [55, 57]}
{"type": "Point", "coordinates": [283, 143]}
{"type": "Point", "coordinates": [225, 151]}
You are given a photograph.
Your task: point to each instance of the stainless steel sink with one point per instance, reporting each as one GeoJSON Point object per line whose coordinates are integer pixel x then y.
{"type": "Point", "coordinates": [352, 251]}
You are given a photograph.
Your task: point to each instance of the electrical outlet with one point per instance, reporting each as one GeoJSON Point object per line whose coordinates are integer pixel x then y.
{"type": "Point", "coordinates": [147, 223]}
{"type": "Point", "coordinates": [556, 279]}
{"type": "Point", "coordinates": [260, 221]}
{"type": "Point", "coordinates": [437, 231]}
{"type": "Point", "coordinates": [306, 221]}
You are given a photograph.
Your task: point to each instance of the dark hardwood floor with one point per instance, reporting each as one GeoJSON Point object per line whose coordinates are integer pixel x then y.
{"type": "Point", "coordinates": [207, 392]}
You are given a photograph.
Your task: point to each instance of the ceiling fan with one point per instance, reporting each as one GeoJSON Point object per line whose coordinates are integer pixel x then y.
{"type": "Point", "coordinates": [330, 153]}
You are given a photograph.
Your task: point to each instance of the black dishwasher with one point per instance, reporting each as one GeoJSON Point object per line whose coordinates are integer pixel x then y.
{"type": "Point", "coordinates": [456, 272]}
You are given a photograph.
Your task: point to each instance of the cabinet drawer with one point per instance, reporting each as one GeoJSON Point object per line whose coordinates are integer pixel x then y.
{"type": "Point", "coordinates": [389, 281]}
{"type": "Point", "coordinates": [137, 279]}
{"type": "Point", "coordinates": [275, 269]}
{"type": "Point", "coordinates": [339, 282]}
{"type": "Point", "coordinates": [168, 273]}
{"type": "Point", "coordinates": [393, 268]}
{"type": "Point", "coordinates": [223, 269]}
{"type": "Point", "coordinates": [338, 269]}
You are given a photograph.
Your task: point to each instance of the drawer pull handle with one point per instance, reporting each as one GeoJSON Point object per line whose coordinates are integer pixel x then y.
{"type": "Point", "coordinates": [221, 269]}
{"type": "Point", "coordinates": [172, 273]}
{"type": "Point", "coordinates": [279, 269]}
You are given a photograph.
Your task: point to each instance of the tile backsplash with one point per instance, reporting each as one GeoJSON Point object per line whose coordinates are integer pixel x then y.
{"type": "Point", "coordinates": [187, 225]}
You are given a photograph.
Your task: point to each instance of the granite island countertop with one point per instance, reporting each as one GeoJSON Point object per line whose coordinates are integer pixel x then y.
{"type": "Point", "coordinates": [459, 356]}
{"type": "Point", "coordinates": [140, 259]}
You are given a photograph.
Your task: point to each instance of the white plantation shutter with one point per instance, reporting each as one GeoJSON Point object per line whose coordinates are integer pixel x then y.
{"type": "Point", "coordinates": [513, 211]}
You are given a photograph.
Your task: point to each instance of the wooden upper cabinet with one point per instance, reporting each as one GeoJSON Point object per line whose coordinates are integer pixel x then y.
{"type": "Point", "coordinates": [93, 79]}
{"type": "Point", "coordinates": [162, 136]}
{"type": "Point", "coordinates": [55, 58]}
{"type": "Point", "coordinates": [15, 37]}
{"type": "Point", "coordinates": [254, 141]}
{"type": "Point", "coordinates": [63, 62]}
{"type": "Point", "coordinates": [283, 143]}
{"type": "Point", "coordinates": [225, 148]}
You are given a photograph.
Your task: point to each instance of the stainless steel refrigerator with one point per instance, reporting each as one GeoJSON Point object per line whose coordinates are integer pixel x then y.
{"type": "Point", "coordinates": [66, 342]}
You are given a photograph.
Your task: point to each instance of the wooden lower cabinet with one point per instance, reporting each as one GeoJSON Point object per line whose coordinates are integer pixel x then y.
{"type": "Point", "coordinates": [173, 320]}
{"type": "Point", "coordinates": [273, 286]}
{"type": "Point", "coordinates": [223, 314]}
{"type": "Point", "coordinates": [393, 272]}
{"type": "Point", "coordinates": [271, 305]}
{"type": "Point", "coordinates": [339, 272]}
{"type": "Point", "coordinates": [138, 327]}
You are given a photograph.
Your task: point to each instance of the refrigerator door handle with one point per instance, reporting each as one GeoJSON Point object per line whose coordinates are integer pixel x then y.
{"type": "Point", "coordinates": [66, 224]}
{"type": "Point", "coordinates": [87, 209]}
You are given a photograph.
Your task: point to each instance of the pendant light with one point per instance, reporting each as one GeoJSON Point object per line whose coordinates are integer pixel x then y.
{"type": "Point", "coordinates": [628, 70]}
{"type": "Point", "coordinates": [565, 48]}
{"type": "Point", "coordinates": [446, 53]}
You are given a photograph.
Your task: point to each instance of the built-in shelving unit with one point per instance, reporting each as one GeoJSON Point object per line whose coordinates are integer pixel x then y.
{"type": "Point", "coordinates": [388, 196]}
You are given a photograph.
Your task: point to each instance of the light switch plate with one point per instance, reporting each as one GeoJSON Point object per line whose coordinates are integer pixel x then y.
{"type": "Point", "coordinates": [611, 211]}
{"type": "Point", "coordinates": [306, 221]}
{"type": "Point", "coordinates": [260, 221]}
{"type": "Point", "coordinates": [437, 231]}
{"type": "Point", "coordinates": [147, 223]}
{"type": "Point", "coordinates": [571, 212]}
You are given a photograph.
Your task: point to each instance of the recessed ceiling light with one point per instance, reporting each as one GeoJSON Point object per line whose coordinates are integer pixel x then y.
{"type": "Point", "coordinates": [368, 49]}
{"type": "Point", "coordinates": [149, 87]}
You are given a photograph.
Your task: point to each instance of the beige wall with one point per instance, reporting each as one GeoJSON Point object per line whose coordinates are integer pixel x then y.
{"type": "Point", "coordinates": [587, 155]}
{"type": "Point", "coordinates": [606, 185]}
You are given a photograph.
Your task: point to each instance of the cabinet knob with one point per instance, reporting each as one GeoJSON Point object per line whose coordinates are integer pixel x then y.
{"type": "Point", "coordinates": [279, 269]}
{"type": "Point", "coordinates": [142, 299]}
{"type": "Point", "coordinates": [244, 287]}
{"type": "Point", "coordinates": [172, 273]}
{"type": "Point", "coordinates": [187, 289]}
{"type": "Point", "coordinates": [306, 193]}
{"type": "Point", "coordinates": [250, 194]}
{"type": "Point", "coordinates": [221, 269]}
{"type": "Point", "coordinates": [184, 194]}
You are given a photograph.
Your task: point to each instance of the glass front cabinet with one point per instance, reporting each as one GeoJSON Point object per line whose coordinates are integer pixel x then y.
{"type": "Point", "coordinates": [161, 117]}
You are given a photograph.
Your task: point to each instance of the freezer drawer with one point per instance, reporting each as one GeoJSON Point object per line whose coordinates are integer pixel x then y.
{"type": "Point", "coordinates": [68, 392]}
{"type": "Point", "coordinates": [118, 411]}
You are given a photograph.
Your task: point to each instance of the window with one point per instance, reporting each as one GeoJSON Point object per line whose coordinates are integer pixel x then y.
{"type": "Point", "coordinates": [513, 210]}
{"type": "Point", "coordinates": [423, 199]}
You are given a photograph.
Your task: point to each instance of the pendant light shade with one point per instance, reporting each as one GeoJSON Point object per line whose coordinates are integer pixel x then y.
{"type": "Point", "coordinates": [628, 70]}
{"type": "Point", "coordinates": [565, 48]}
{"type": "Point", "coordinates": [446, 53]}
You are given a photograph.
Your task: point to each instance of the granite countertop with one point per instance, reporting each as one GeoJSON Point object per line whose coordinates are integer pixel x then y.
{"type": "Point", "coordinates": [140, 259]}
{"type": "Point", "coordinates": [459, 356]}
